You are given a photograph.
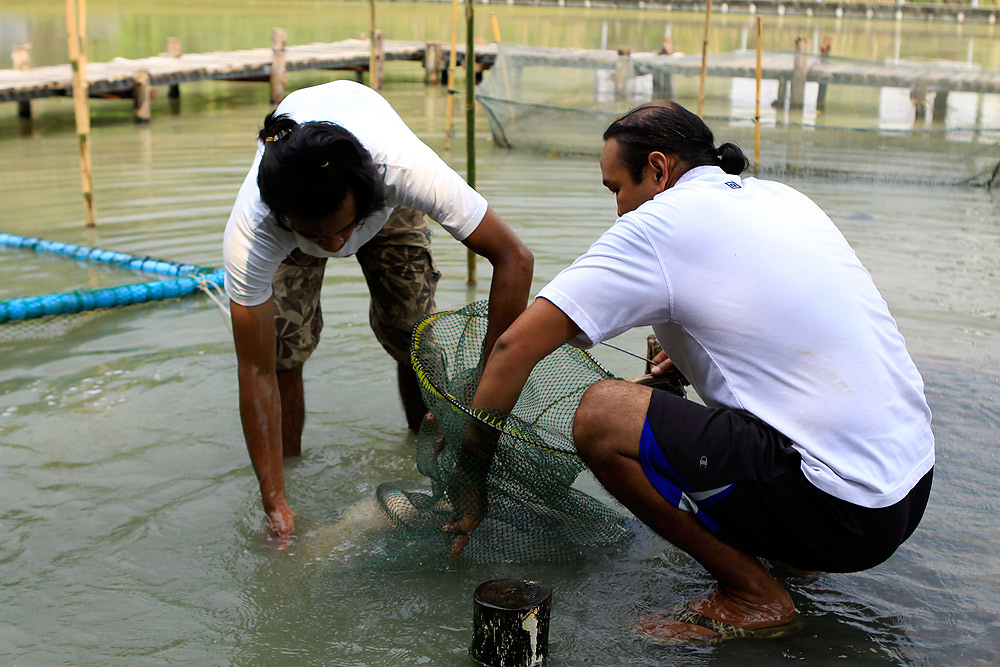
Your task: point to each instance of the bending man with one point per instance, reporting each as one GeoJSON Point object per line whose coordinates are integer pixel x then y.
{"type": "Point", "coordinates": [337, 173]}
{"type": "Point", "coordinates": [815, 447]}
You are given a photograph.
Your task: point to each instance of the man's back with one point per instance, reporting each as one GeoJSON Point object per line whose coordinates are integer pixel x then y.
{"type": "Point", "coordinates": [761, 303]}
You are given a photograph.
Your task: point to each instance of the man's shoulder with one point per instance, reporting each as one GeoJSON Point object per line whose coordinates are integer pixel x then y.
{"type": "Point", "coordinates": [339, 93]}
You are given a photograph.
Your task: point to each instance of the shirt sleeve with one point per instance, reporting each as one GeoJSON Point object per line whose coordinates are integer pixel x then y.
{"type": "Point", "coordinates": [618, 284]}
{"type": "Point", "coordinates": [428, 184]}
{"type": "Point", "coordinates": [253, 246]}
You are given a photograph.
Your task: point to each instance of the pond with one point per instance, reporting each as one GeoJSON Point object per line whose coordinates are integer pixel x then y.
{"type": "Point", "coordinates": [131, 529]}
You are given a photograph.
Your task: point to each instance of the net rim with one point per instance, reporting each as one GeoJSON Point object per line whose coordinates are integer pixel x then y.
{"type": "Point", "coordinates": [505, 427]}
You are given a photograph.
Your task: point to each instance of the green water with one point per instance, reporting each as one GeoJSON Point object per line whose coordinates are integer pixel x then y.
{"type": "Point", "coordinates": [130, 530]}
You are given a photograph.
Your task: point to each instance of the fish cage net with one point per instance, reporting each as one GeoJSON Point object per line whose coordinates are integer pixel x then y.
{"type": "Point", "coordinates": [561, 101]}
{"type": "Point", "coordinates": [535, 509]}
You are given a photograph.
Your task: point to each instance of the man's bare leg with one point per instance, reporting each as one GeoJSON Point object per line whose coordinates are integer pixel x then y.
{"type": "Point", "coordinates": [607, 430]}
{"type": "Point", "coordinates": [409, 391]}
{"type": "Point", "coordinates": [293, 410]}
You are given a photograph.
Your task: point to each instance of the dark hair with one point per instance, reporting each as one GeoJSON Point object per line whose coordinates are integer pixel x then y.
{"type": "Point", "coordinates": [671, 129]}
{"type": "Point", "coordinates": [308, 168]}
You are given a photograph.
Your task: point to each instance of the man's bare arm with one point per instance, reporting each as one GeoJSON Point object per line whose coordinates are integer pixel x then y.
{"type": "Point", "coordinates": [538, 331]}
{"type": "Point", "coordinates": [260, 409]}
{"type": "Point", "coordinates": [512, 266]}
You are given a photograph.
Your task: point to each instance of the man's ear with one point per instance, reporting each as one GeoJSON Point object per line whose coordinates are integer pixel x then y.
{"type": "Point", "coordinates": [660, 166]}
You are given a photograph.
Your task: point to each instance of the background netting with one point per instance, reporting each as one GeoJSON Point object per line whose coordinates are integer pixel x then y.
{"type": "Point", "coordinates": [535, 509]}
{"type": "Point", "coordinates": [561, 101]}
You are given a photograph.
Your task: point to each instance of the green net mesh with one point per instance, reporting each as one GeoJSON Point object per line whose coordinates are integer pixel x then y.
{"type": "Point", "coordinates": [561, 101]}
{"type": "Point", "coordinates": [535, 509]}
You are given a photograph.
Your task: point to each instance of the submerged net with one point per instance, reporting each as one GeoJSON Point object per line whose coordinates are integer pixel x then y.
{"type": "Point", "coordinates": [561, 101]}
{"type": "Point", "coordinates": [536, 510]}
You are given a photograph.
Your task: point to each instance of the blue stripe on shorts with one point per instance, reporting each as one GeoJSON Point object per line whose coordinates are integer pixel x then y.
{"type": "Point", "coordinates": [674, 489]}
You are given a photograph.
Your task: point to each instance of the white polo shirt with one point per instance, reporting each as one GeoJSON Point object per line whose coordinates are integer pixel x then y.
{"type": "Point", "coordinates": [763, 306]}
{"type": "Point", "coordinates": [415, 177]}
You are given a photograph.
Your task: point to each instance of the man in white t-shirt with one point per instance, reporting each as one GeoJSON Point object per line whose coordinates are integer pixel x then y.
{"type": "Point", "coordinates": [337, 173]}
{"type": "Point", "coordinates": [814, 446]}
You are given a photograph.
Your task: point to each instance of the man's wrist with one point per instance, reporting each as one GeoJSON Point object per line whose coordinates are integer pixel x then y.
{"type": "Point", "coordinates": [473, 462]}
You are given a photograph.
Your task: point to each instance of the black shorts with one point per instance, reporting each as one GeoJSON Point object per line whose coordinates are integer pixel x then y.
{"type": "Point", "coordinates": [743, 481]}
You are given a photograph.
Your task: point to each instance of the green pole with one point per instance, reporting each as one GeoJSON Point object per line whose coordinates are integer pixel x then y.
{"type": "Point", "coordinates": [470, 115]}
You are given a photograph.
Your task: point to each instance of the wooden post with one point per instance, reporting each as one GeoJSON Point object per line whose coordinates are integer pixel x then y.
{"type": "Point", "coordinates": [470, 116]}
{"type": "Point", "coordinates": [377, 76]}
{"type": "Point", "coordinates": [503, 63]}
{"type": "Point", "coordinates": [940, 109]}
{"type": "Point", "coordinates": [782, 93]}
{"type": "Point", "coordinates": [174, 51]}
{"type": "Point", "coordinates": [918, 95]}
{"type": "Point", "coordinates": [623, 71]}
{"type": "Point", "coordinates": [663, 82]}
{"type": "Point", "coordinates": [373, 79]}
{"type": "Point", "coordinates": [704, 58]}
{"type": "Point", "coordinates": [452, 60]}
{"type": "Point", "coordinates": [824, 53]}
{"type": "Point", "coordinates": [141, 95]}
{"type": "Point", "coordinates": [653, 348]}
{"type": "Point", "coordinates": [432, 63]}
{"type": "Point", "coordinates": [279, 40]}
{"type": "Point", "coordinates": [76, 31]}
{"type": "Point", "coordinates": [20, 54]}
{"type": "Point", "coordinates": [663, 86]}
{"type": "Point", "coordinates": [756, 115]}
{"type": "Point", "coordinates": [799, 74]}
{"type": "Point", "coordinates": [510, 623]}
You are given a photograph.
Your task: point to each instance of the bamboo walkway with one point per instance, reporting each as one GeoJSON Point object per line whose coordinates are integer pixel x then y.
{"type": "Point", "coordinates": [774, 65]}
{"type": "Point", "coordinates": [123, 77]}
{"type": "Point", "coordinates": [132, 78]}
{"type": "Point", "coordinates": [791, 69]}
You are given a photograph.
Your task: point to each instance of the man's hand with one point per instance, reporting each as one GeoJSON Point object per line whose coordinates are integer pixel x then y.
{"type": "Point", "coordinates": [280, 524]}
{"type": "Point", "coordinates": [260, 411]}
{"type": "Point", "coordinates": [467, 492]}
{"type": "Point", "coordinates": [662, 366]}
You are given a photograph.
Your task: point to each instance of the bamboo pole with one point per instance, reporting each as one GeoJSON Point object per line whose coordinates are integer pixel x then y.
{"type": "Point", "coordinates": [756, 116]}
{"type": "Point", "coordinates": [76, 33]}
{"type": "Point", "coordinates": [704, 58]}
{"type": "Point", "coordinates": [373, 78]}
{"type": "Point", "coordinates": [452, 62]}
{"type": "Point", "coordinates": [277, 78]}
{"type": "Point", "coordinates": [496, 27]}
{"type": "Point", "coordinates": [470, 116]}
{"type": "Point", "coordinates": [503, 65]}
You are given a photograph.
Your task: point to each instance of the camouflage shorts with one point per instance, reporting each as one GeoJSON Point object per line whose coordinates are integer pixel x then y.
{"type": "Point", "coordinates": [401, 279]}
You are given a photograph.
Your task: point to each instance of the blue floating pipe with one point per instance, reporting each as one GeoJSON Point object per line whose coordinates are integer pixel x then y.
{"type": "Point", "coordinates": [78, 301]}
{"type": "Point", "coordinates": [186, 281]}
{"type": "Point", "coordinates": [123, 259]}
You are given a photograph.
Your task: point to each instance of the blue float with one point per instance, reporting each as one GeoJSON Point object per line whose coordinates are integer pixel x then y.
{"type": "Point", "coordinates": [185, 280]}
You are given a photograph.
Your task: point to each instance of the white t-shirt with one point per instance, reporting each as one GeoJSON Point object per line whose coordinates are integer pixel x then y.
{"type": "Point", "coordinates": [415, 177]}
{"type": "Point", "coordinates": [761, 303]}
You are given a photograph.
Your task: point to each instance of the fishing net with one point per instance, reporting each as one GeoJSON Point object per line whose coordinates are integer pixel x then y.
{"type": "Point", "coordinates": [536, 509]}
{"type": "Point", "coordinates": [561, 101]}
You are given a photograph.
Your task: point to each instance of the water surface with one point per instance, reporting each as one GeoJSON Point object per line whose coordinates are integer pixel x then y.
{"type": "Point", "coordinates": [129, 524]}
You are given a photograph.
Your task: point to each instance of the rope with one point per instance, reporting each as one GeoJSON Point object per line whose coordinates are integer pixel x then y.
{"type": "Point", "coordinates": [216, 294]}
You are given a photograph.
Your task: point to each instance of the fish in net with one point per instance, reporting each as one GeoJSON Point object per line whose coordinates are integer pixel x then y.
{"type": "Point", "coordinates": [536, 508]}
